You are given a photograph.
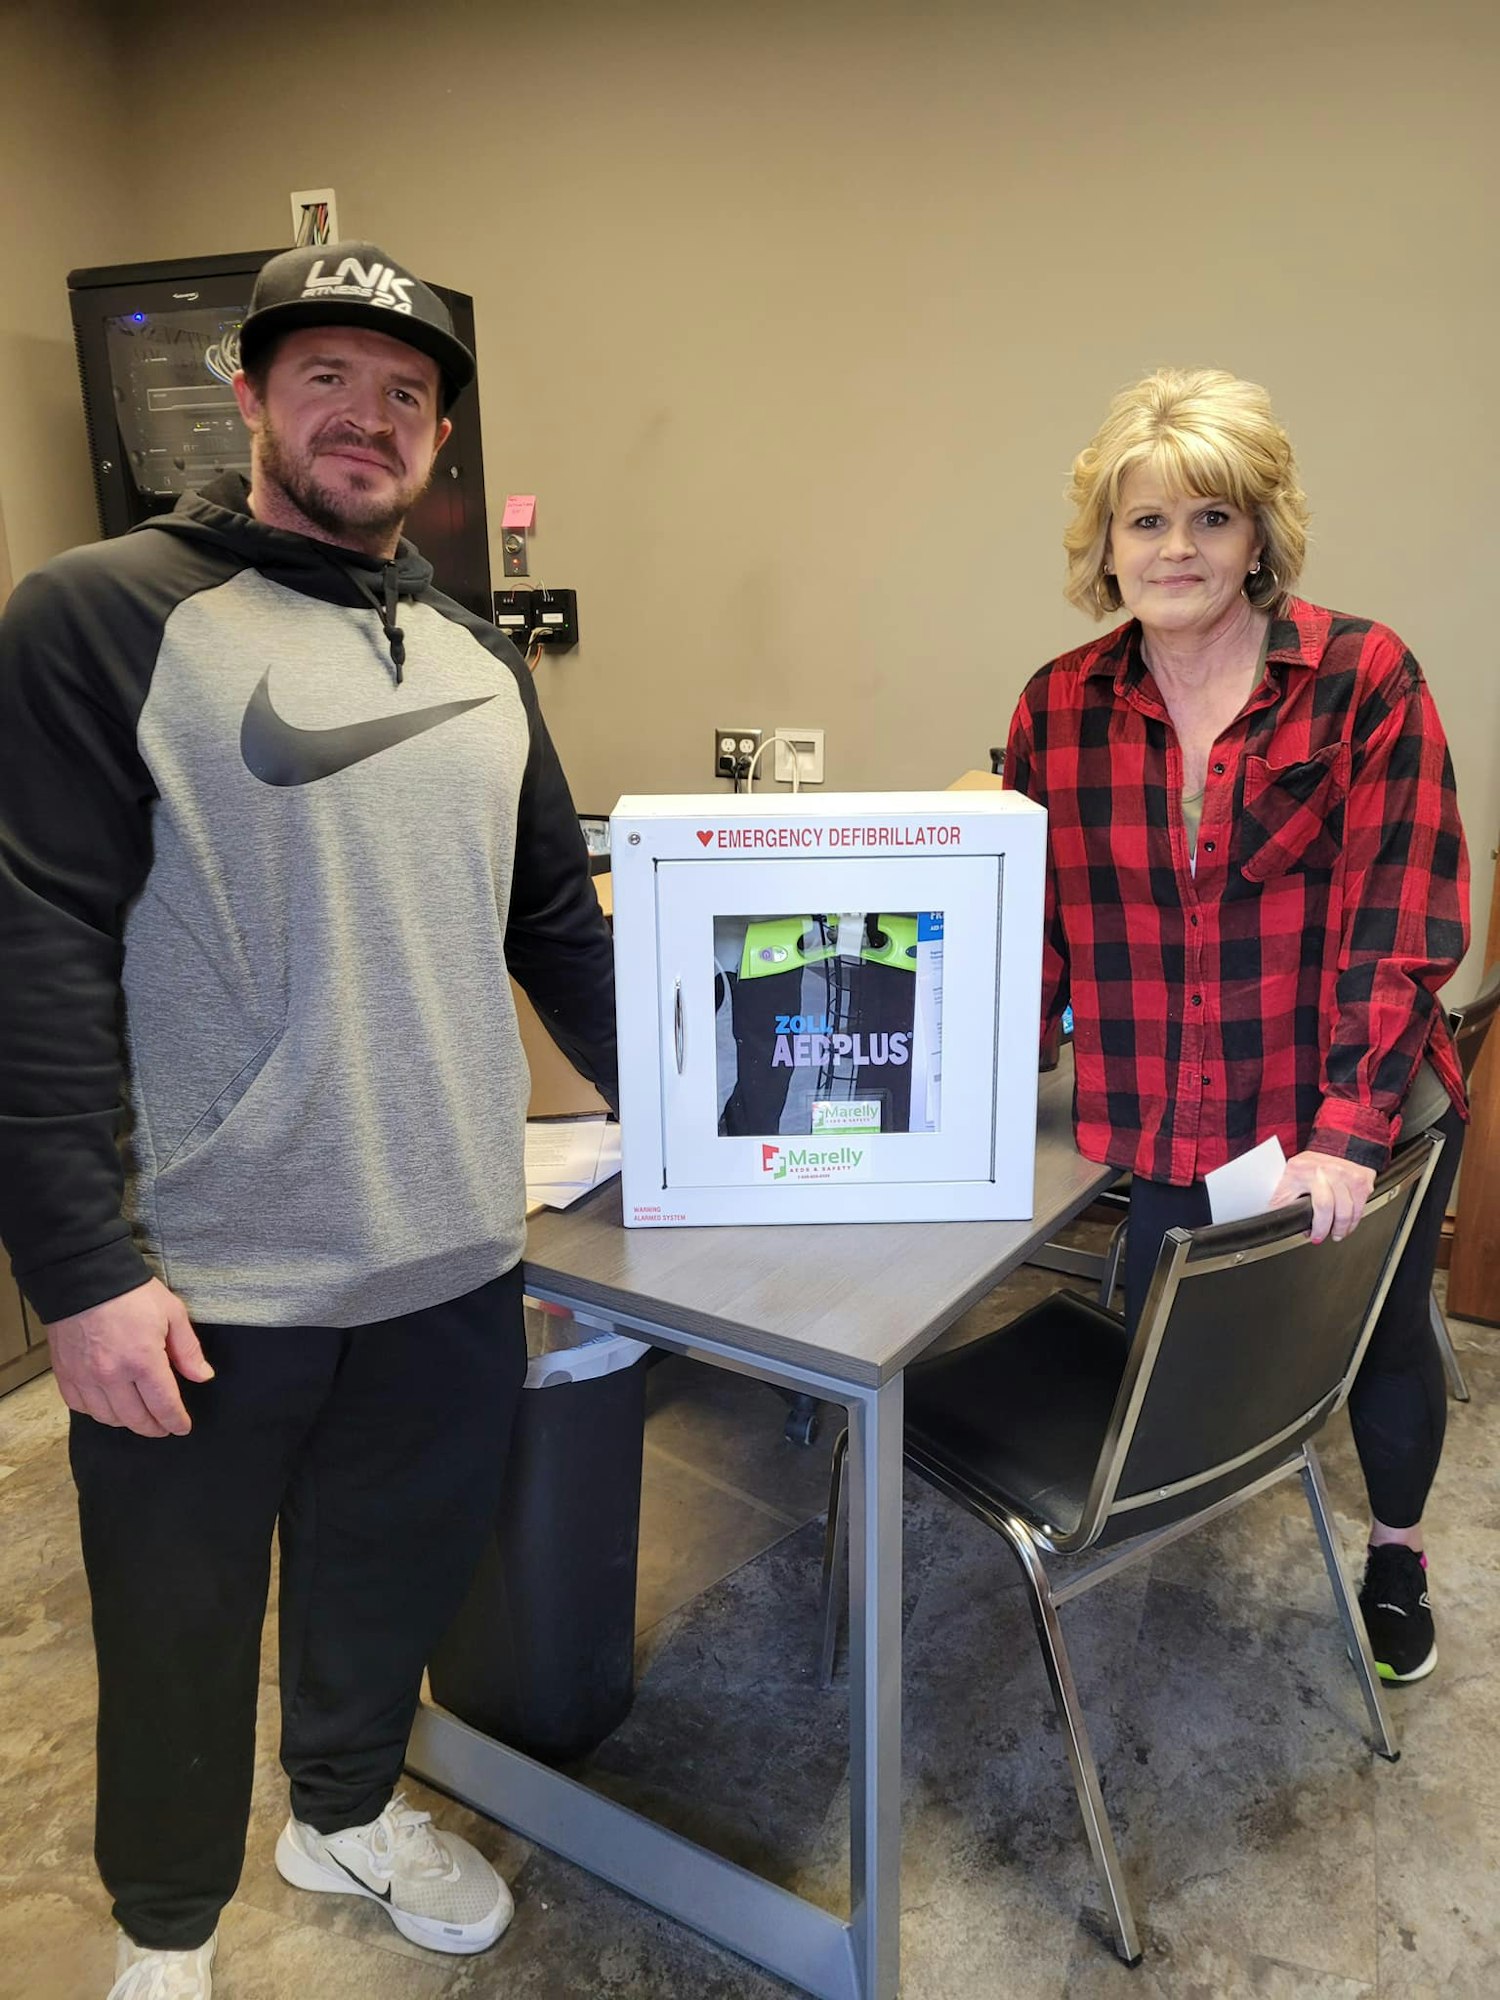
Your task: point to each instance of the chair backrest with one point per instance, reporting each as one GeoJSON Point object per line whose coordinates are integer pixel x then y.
{"type": "Point", "coordinates": [1472, 1023]}
{"type": "Point", "coordinates": [1249, 1340]}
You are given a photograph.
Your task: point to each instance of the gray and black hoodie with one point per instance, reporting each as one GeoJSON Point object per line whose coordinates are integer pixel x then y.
{"type": "Point", "coordinates": [275, 823]}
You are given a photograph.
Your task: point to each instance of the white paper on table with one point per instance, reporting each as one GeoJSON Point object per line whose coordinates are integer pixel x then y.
{"type": "Point", "coordinates": [565, 1157]}
{"type": "Point", "coordinates": [562, 1149]}
{"type": "Point", "coordinates": [1245, 1186]}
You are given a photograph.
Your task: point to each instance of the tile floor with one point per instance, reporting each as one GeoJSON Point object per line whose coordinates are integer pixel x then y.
{"type": "Point", "coordinates": [1270, 1854]}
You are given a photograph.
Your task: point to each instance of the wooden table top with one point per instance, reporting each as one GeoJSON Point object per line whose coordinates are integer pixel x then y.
{"type": "Point", "coordinates": [857, 1301]}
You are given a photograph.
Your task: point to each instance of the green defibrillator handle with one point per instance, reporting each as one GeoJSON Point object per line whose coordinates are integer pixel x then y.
{"type": "Point", "coordinates": [774, 944]}
{"type": "Point", "coordinates": [898, 946]}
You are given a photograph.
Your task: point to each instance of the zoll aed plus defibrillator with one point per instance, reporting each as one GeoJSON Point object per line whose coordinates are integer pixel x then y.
{"type": "Point", "coordinates": [828, 1006]}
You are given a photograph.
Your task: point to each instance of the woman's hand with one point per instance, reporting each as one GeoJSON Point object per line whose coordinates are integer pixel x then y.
{"type": "Point", "coordinates": [1339, 1191]}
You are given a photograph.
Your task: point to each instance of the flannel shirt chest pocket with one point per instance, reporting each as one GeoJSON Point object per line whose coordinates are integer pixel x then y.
{"type": "Point", "coordinates": [1292, 815]}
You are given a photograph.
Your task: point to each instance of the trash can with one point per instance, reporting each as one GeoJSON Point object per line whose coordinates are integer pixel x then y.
{"type": "Point", "coordinates": [542, 1655]}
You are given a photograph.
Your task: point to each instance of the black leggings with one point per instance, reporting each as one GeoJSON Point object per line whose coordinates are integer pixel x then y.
{"type": "Point", "coordinates": [1398, 1408]}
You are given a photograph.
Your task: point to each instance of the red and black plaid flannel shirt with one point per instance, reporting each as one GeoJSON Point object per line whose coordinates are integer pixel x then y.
{"type": "Point", "coordinates": [1290, 986]}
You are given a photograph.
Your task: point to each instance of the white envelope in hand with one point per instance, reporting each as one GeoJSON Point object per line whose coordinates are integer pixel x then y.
{"type": "Point", "coordinates": [1245, 1186]}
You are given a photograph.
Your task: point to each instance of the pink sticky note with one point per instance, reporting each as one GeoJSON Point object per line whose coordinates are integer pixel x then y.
{"type": "Point", "coordinates": [520, 511]}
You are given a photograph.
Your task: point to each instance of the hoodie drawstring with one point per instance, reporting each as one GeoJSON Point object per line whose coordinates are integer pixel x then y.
{"type": "Point", "coordinates": [383, 602]}
{"type": "Point", "coordinates": [394, 635]}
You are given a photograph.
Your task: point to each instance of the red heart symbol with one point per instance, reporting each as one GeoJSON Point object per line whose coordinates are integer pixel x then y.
{"type": "Point", "coordinates": [705, 837]}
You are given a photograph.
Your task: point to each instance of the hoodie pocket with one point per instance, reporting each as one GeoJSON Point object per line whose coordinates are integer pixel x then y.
{"type": "Point", "coordinates": [1292, 815]}
{"type": "Point", "coordinates": [217, 1114]}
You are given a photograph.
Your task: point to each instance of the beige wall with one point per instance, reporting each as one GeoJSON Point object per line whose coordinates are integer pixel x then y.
{"type": "Point", "coordinates": [63, 202]}
{"type": "Point", "coordinates": [794, 315]}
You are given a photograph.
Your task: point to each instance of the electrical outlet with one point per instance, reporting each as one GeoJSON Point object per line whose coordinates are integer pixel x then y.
{"type": "Point", "coordinates": [799, 749]}
{"type": "Point", "coordinates": [733, 749]}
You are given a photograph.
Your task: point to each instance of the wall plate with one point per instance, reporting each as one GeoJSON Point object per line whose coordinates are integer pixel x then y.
{"type": "Point", "coordinates": [805, 746]}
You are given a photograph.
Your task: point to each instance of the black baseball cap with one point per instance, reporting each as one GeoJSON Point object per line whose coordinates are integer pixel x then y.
{"type": "Point", "coordinates": [354, 284]}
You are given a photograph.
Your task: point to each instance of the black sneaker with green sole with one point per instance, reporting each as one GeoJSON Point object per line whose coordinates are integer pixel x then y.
{"type": "Point", "coordinates": [1397, 1615]}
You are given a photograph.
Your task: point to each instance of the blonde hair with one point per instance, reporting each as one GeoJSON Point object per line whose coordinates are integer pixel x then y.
{"type": "Point", "coordinates": [1208, 434]}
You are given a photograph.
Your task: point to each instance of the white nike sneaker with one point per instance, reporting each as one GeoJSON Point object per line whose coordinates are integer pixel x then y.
{"type": "Point", "coordinates": [141, 1974]}
{"type": "Point", "coordinates": [437, 1889]}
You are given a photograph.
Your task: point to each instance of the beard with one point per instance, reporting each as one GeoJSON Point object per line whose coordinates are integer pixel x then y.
{"type": "Point", "coordinates": [356, 509]}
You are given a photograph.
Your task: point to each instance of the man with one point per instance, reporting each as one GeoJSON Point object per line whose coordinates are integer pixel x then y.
{"type": "Point", "coordinates": [276, 818]}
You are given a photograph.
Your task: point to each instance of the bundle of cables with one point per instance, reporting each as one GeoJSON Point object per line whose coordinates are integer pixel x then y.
{"type": "Point", "coordinates": [314, 226]}
{"type": "Point", "coordinates": [222, 359]}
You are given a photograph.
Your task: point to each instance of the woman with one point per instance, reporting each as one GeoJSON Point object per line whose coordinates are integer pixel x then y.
{"type": "Point", "coordinates": [1257, 885]}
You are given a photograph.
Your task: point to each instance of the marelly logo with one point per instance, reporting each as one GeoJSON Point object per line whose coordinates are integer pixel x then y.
{"type": "Point", "coordinates": [376, 284]}
{"type": "Point", "coordinates": [809, 1163]}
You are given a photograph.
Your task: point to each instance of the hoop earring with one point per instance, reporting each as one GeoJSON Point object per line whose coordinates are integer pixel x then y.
{"type": "Point", "coordinates": [1262, 596]}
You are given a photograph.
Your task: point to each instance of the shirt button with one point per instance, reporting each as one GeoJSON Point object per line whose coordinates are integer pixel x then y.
{"type": "Point", "coordinates": [1218, 770]}
{"type": "Point", "coordinates": [1197, 999]}
{"type": "Point", "coordinates": [1194, 922]}
{"type": "Point", "coordinates": [1205, 1079]}
{"type": "Point", "coordinates": [1208, 847]}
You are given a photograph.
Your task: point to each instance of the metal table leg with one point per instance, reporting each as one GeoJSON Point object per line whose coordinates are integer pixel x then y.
{"type": "Point", "coordinates": [874, 1487]}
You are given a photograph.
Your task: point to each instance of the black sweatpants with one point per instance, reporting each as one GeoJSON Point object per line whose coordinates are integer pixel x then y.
{"type": "Point", "coordinates": [1398, 1407]}
{"type": "Point", "coordinates": [378, 1452]}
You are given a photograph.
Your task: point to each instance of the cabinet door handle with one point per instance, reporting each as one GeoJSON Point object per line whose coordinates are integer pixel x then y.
{"type": "Point", "coordinates": [678, 1025]}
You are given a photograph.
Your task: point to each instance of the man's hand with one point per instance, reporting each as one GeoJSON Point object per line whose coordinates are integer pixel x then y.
{"type": "Point", "coordinates": [114, 1362]}
{"type": "Point", "coordinates": [1339, 1191]}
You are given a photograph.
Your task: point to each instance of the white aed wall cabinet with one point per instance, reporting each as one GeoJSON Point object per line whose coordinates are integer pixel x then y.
{"type": "Point", "coordinates": [828, 1008]}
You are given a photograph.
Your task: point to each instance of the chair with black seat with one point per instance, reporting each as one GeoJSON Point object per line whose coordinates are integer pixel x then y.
{"type": "Point", "coordinates": [1470, 1024]}
{"type": "Point", "coordinates": [1064, 1436]}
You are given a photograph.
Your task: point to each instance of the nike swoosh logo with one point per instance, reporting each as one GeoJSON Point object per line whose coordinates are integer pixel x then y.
{"type": "Point", "coordinates": [380, 1895]}
{"type": "Point", "coordinates": [278, 753]}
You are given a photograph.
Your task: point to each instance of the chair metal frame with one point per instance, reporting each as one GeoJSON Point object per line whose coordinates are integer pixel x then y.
{"type": "Point", "coordinates": [1442, 1333]}
{"type": "Point", "coordinates": [1101, 1264]}
{"type": "Point", "coordinates": [1029, 1538]}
